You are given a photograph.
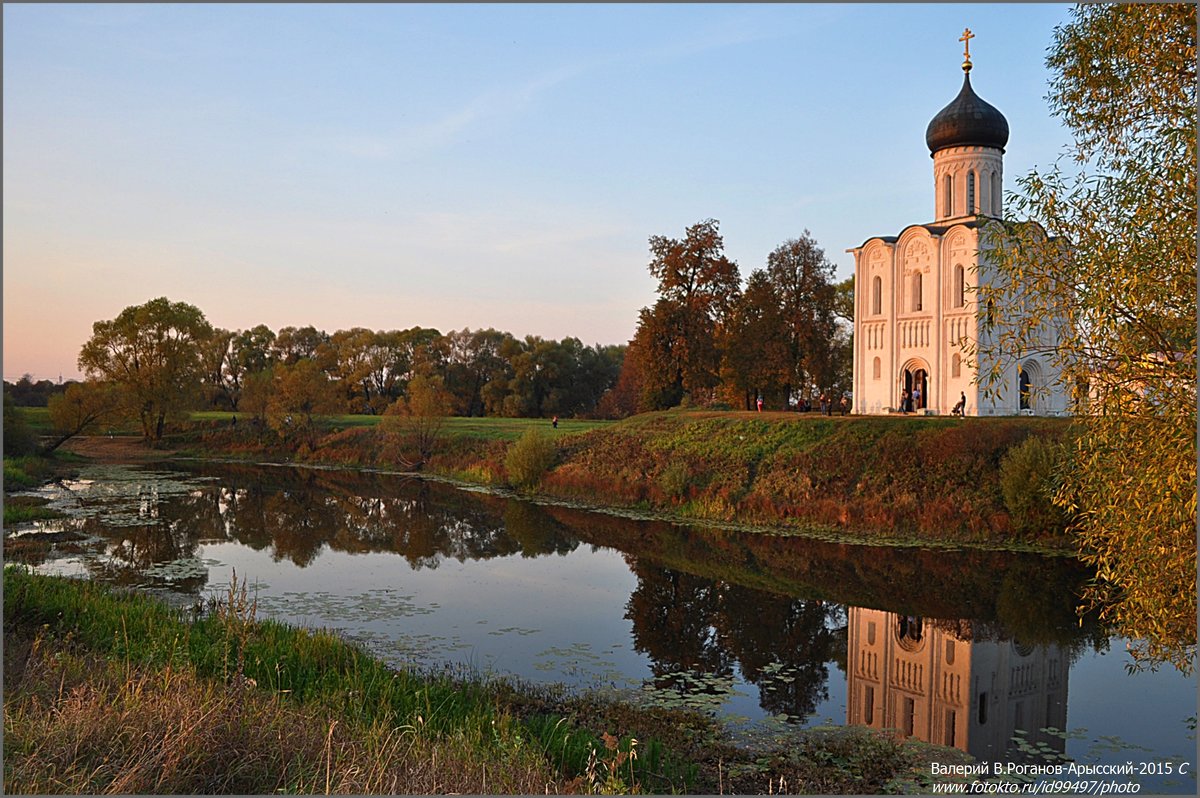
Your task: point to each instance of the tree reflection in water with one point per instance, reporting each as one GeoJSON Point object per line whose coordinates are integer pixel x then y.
{"type": "Point", "coordinates": [689, 624]}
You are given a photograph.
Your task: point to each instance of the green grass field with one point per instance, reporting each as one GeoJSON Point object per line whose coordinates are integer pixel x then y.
{"type": "Point", "coordinates": [455, 426]}
{"type": "Point", "coordinates": [38, 419]}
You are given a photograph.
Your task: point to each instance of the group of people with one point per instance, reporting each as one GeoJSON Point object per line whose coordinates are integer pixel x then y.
{"type": "Point", "coordinates": [824, 403]}
{"type": "Point", "coordinates": [827, 404]}
{"type": "Point", "coordinates": [912, 402]}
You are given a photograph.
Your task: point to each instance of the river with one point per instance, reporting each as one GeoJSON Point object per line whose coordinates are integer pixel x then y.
{"type": "Point", "coordinates": [978, 650]}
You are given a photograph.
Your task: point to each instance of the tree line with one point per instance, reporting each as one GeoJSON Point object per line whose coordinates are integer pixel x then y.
{"type": "Point", "coordinates": [158, 361]}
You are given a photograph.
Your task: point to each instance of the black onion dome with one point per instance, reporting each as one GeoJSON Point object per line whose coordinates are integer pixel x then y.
{"type": "Point", "coordinates": [967, 121]}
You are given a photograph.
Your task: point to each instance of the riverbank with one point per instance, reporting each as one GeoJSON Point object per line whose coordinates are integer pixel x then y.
{"type": "Point", "coordinates": [914, 480]}
{"type": "Point", "coordinates": [112, 691]}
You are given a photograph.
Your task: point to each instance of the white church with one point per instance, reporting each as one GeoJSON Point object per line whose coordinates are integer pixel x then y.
{"type": "Point", "coordinates": [914, 304]}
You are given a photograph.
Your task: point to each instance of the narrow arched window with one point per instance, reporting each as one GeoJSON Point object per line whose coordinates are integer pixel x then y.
{"type": "Point", "coordinates": [956, 366]}
{"type": "Point", "coordinates": [960, 285]}
{"type": "Point", "coordinates": [875, 370]}
{"type": "Point", "coordinates": [984, 194]}
{"type": "Point", "coordinates": [997, 195]}
{"type": "Point", "coordinates": [971, 192]}
{"type": "Point", "coordinates": [916, 303]}
{"type": "Point", "coordinates": [947, 196]}
{"type": "Point", "coordinates": [877, 295]}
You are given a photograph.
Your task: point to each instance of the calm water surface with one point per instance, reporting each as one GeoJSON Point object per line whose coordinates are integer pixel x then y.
{"type": "Point", "coordinates": [978, 650]}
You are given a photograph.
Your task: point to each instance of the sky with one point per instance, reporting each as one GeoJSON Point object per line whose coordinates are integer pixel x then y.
{"type": "Point", "coordinates": [455, 166]}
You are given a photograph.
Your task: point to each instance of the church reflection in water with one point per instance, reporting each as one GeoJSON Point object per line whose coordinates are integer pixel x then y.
{"type": "Point", "coordinates": [924, 679]}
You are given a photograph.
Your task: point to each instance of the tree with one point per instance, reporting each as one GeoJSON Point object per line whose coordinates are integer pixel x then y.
{"type": "Point", "coordinates": [250, 354]}
{"type": "Point", "coordinates": [843, 300]}
{"type": "Point", "coordinates": [301, 392]}
{"type": "Point", "coordinates": [350, 353]}
{"type": "Point", "coordinates": [599, 368]}
{"type": "Point", "coordinates": [293, 344]}
{"type": "Point", "coordinates": [1108, 266]}
{"type": "Point", "coordinates": [152, 352]}
{"type": "Point", "coordinates": [654, 357]}
{"type": "Point", "coordinates": [82, 407]}
{"type": "Point", "coordinates": [27, 393]}
{"type": "Point", "coordinates": [476, 369]}
{"type": "Point", "coordinates": [803, 277]}
{"type": "Point", "coordinates": [255, 398]}
{"type": "Point", "coordinates": [755, 358]}
{"type": "Point", "coordinates": [215, 354]}
{"type": "Point", "coordinates": [697, 287]}
{"type": "Point", "coordinates": [386, 364]}
{"type": "Point", "coordinates": [621, 400]}
{"type": "Point", "coordinates": [417, 419]}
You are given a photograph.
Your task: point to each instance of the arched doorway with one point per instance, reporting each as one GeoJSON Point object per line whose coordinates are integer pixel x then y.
{"type": "Point", "coordinates": [1029, 380]}
{"type": "Point", "coordinates": [914, 383]}
{"type": "Point", "coordinates": [910, 630]}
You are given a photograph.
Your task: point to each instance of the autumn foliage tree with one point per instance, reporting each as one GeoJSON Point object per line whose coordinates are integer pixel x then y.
{"type": "Point", "coordinates": [153, 354]}
{"type": "Point", "coordinates": [803, 276]}
{"type": "Point", "coordinates": [697, 287]}
{"type": "Point", "coordinates": [756, 358]}
{"type": "Point", "coordinates": [413, 423]}
{"type": "Point", "coordinates": [301, 391]}
{"type": "Point", "coordinates": [1122, 295]}
{"type": "Point", "coordinates": [83, 407]}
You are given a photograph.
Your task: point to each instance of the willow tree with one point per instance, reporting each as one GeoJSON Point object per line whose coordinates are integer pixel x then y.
{"type": "Point", "coordinates": [1113, 268]}
{"type": "Point", "coordinates": [153, 354]}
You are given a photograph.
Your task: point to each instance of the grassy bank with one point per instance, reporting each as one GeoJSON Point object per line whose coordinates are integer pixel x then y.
{"type": "Point", "coordinates": [893, 479]}
{"type": "Point", "coordinates": [30, 471]}
{"type": "Point", "coordinates": [114, 692]}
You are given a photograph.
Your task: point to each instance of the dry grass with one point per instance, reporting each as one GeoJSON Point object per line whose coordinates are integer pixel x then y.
{"type": "Point", "coordinates": [77, 723]}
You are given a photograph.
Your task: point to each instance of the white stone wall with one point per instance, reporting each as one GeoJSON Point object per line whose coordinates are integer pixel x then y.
{"type": "Point", "coordinates": [915, 304]}
{"type": "Point", "coordinates": [953, 170]}
{"type": "Point", "coordinates": [915, 317]}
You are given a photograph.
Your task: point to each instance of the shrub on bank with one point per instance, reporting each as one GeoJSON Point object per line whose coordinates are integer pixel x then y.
{"type": "Point", "coordinates": [1028, 483]}
{"type": "Point", "coordinates": [529, 459]}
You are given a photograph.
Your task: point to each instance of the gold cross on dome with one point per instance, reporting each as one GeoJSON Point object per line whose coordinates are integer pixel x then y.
{"type": "Point", "coordinates": [966, 40]}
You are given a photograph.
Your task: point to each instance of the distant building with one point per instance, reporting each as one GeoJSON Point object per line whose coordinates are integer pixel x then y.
{"type": "Point", "coordinates": [904, 673]}
{"type": "Point", "coordinates": [914, 304]}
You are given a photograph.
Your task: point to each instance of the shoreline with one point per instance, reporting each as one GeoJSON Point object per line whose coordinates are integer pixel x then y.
{"type": "Point", "coordinates": [932, 483]}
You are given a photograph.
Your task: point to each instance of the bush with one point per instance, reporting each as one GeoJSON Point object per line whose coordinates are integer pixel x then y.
{"type": "Point", "coordinates": [1028, 483]}
{"type": "Point", "coordinates": [674, 480]}
{"type": "Point", "coordinates": [529, 459]}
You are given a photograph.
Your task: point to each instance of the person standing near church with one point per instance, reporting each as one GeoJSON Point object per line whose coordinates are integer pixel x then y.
{"type": "Point", "coordinates": [904, 400]}
{"type": "Point", "coordinates": [916, 397]}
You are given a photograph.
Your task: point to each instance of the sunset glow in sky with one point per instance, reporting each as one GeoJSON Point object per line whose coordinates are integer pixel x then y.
{"type": "Point", "coordinates": [454, 166]}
